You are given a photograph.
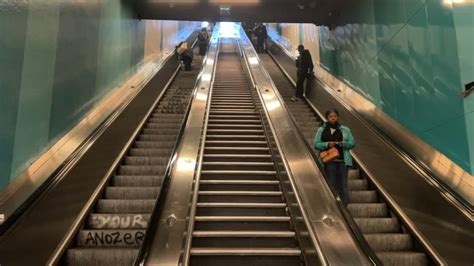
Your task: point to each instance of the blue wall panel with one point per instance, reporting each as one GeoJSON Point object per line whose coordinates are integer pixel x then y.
{"type": "Point", "coordinates": [13, 24]}
{"type": "Point", "coordinates": [403, 56]}
{"type": "Point", "coordinates": [76, 65]}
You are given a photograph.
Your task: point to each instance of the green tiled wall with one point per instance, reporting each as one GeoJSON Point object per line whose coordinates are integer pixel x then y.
{"type": "Point", "coordinates": [411, 59]}
{"type": "Point", "coordinates": [58, 59]}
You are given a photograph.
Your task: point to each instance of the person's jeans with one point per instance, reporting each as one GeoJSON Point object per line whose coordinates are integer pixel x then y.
{"type": "Point", "coordinates": [300, 84]}
{"type": "Point", "coordinates": [336, 173]}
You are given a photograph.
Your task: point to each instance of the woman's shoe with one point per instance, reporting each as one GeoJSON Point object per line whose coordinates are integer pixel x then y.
{"type": "Point", "coordinates": [295, 99]}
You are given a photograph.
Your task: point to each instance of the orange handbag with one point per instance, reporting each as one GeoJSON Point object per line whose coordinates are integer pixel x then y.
{"type": "Point", "coordinates": [329, 155]}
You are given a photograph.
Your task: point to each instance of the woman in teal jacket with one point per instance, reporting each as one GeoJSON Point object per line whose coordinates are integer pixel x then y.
{"type": "Point", "coordinates": [332, 134]}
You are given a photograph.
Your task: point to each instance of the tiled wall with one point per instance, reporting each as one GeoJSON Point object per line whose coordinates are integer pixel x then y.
{"type": "Point", "coordinates": [411, 59]}
{"type": "Point", "coordinates": [58, 59]}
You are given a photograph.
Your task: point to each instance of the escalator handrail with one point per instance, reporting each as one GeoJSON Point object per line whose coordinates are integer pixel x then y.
{"type": "Point", "coordinates": [388, 199]}
{"type": "Point", "coordinates": [311, 232]}
{"type": "Point", "coordinates": [159, 203]}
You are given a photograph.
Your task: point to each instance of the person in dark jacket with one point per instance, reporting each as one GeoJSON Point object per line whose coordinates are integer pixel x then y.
{"type": "Point", "coordinates": [332, 134]}
{"type": "Point", "coordinates": [185, 55]}
{"type": "Point", "coordinates": [248, 28]}
{"type": "Point", "coordinates": [203, 40]}
{"type": "Point", "coordinates": [305, 66]}
{"type": "Point", "coordinates": [261, 34]}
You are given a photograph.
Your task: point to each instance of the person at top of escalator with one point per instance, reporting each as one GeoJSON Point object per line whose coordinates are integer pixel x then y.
{"type": "Point", "coordinates": [305, 66]}
{"type": "Point", "coordinates": [203, 41]}
{"type": "Point", "coordinates": [332, 137]}
{"type": "Point", "coordinates": [260, 32]}
{"type": "Point", "coordinates": [185, 55]}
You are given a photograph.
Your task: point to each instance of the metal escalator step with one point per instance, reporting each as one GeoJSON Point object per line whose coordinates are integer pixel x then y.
{"type": "Point", "coordinates": [378, 225]}
{"type": "Point", "coordinates": [237, 157]}
{"type": "Point", "coordinates": [238, 238]}
{"type": "Point", "coordinates": [131, 192]}
{"type": "Point", "coordinates": [149, 137]}
{"type": "Point", "coordinates": [142, 160]}
{"type": "Point", "coordinates": [101, 256]}
{"type": "Point", "coordinates": [239, 173]}
{"type": "Point", "coordinates": [238, 165]}
{"type": "Point", "coordinates": [125, 206]}
{"type": "Point", "coordinates": [403, 258]}
{"type": "Point", "coordinates": [240, 121]}
{"type": "Point", "coordinates": [162, 126]}
{"type": "Point", "coordinates": [227, 150]}
{"type": "Point", "coordinates": [389, 242]}
{"type": "Point", "coordinates": [246, 251]}
{"type": "Point", "coordinates": [240, 196]}
{"type": "Point", "coordinates": [368, 209]}
{"type": "Point", "coordinates": [150, 152]}
{"type": "Point", "coordinates": [358, 184]}
{"type": "Point", "coordinates": [153, 144]}
{"type": "Point", "coordinates": [117, 221]}
{"type": "Point", "coordinates": [240, 205]}
{"type": "Point", "coordinates": [244, 185]}
{"type": "Point", "coordinates": [160, 115]}
{"type": "Point", "coordinates": [252, 234]}
{"type": "Point", "coordinates": [369, 196]}
{"type": "Point", "coordinates": [236, 143]}
{"type": "Point", "coordinates": [235, 137]}
{"type": "Point", "coordinates": [137, 181]}
{"type": "Point", "coordinates": [159, 131]}
{"type": "Point", "coordinates": [353, 174]}
{"type": "Point", "coordinates": [235, 131]}
{"type": "Point", "coordinates": [232, 126]}
{"type": "Point", "coordinates": [141, 170]}
{"type": "Point", "coordinates": [110, 238]}
{"type": "Point", "coordinates": [239, 209]}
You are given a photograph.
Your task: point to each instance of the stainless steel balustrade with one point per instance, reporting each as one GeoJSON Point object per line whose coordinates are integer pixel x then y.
{"type": "Point", "coordinates": [330, 235]}
{"type": "Point", "coordinates": [168, 242]}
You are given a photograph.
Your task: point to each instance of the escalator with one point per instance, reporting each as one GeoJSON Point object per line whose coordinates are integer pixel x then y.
{"type": "Point", "coordinates": [115, 229]}
{"type": "Point", "coordinates": [382, 230]}
{"type": "Point", "coordinates": [241, 213]}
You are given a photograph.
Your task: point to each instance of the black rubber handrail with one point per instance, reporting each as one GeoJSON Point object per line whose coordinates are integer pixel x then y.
{"type": "Point", "coordinates": [160, 201]}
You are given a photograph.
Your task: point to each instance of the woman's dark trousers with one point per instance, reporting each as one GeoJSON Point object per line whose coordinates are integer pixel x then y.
{"type": "Point", "coordinates": [336, 173]}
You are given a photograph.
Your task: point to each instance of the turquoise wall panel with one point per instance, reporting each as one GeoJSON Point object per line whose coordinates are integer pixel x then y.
{"type": "Point", "coordinates": [76, 65]}
{"type": "Point", "coordinates": [405, 57]}
{"type": "Point", "coordinates": [58, 60]}
{"type": "Point", "coordinates": [464, 23]}
{"type": "Point", "coordinates": [13, 24]}
{"type": "Point", "coordinates": [115, 47]}
{"type": "Point", "coordinates": [36, 84]}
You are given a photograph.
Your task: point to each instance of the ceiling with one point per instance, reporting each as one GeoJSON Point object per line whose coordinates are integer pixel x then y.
{"type": "Point", "coordinates": [320, 12]}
